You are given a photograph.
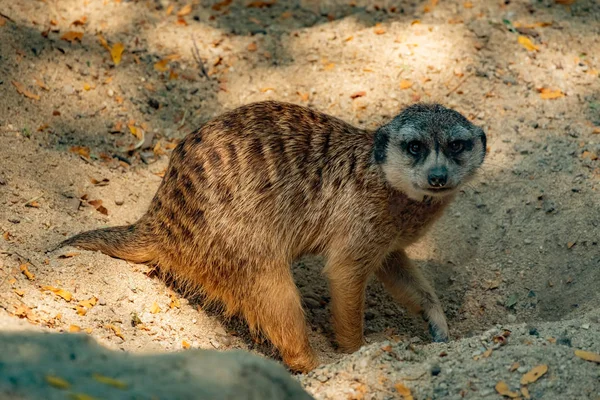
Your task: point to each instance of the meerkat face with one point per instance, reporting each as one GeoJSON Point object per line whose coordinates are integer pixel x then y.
{"type": "Point", "coordinates": [429, 150]}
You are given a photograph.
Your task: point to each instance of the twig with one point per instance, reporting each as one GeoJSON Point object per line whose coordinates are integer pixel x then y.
{"type": "Point", "coordinates": [458, 85]}
{"type": "Point", "coordinates": [28, 202]}
{"type": "Point", "coordinates": [196, 54]}
{"type": "Point", "coordinates": [7, 17]}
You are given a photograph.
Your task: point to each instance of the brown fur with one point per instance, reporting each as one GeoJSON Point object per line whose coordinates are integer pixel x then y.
{"type": "Point", "coordinates": [260, 186]}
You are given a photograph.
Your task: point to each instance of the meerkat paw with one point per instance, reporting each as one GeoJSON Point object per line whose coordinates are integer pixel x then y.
{"type": "Point", "coordinates": [302, 362]}
{"type": "Point", "coordinates": [438, 327]}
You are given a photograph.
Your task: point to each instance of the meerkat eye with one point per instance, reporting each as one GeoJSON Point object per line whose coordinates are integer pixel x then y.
{"type": "Point", "coordinates": [415, 148]}
{"type": "Point", "coordinates": [457, 146]}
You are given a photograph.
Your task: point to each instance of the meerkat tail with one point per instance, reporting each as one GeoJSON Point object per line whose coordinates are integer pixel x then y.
{"type": "Point", "coordinates": [127, 242]}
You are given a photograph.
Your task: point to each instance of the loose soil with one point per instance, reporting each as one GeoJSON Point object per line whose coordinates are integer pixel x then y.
{"type": "Point", "coordinates": [519, 245]}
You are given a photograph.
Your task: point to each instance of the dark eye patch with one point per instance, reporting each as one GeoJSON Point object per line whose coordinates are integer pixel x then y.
{"type": "Point", "coordinates": [416, 149]}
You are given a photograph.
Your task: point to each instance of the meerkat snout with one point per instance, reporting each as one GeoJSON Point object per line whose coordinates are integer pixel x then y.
{"type": "Point", "coordinates": [429, 150]}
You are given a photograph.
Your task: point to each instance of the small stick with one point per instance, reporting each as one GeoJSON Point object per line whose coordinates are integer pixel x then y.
{"type": "Point", "coordinates": [7, 17]}
{"type": "Point", "coordinates": [196, 54]}
{"type": "Point", "coordinates": [458, 85]}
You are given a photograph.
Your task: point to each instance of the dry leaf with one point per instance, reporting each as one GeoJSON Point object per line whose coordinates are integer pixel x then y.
{"type": "Point", "coordinates": [109, 381]}
{"type": "Point", "coordinates": [19, 292]}
{"type": "Point", "coordinates": [170, 9]}
{"type": "Point", "coordinates": [252, 47]}
{"type": "Point", "coordinates": [525, 392]}
{"type": "Point", "coordinates": [379, 30]}
{"type": "Point", "coordinates": [329, 66]}
{"type": "Point", "coordinates": [74, 328]}
{"type": "Point", "coordinates": [32, 204]}
{"type": "Point", "coordinates": [527, 43]}
{"type": "Point", "coordinates": [174, 302]}
{"type": "Point", "coordinates": [303, 96]}
{"type": "Point", "coordinates": [187, 9]}
{"type": "Point", "coordinates": [405, 84]}
{"type": "Point", "coordinates": [102, 210]}
{"type": "Point", "coordinates": [349, 38]}
{"type": "Point", "coordinates": [358, 94]}
{"type": "Point", "coordinates": [590, 155]}
{"type": "Point", "coordinates": [103, 182]}
{"type": "Point", "coordinates": [155, 309]}
{"type": "Point", "coordinates": [514, 367]}
{"type": "Point", "coordinates": [162, 65]}
{"type": "Point", "coordinates": [260, 4]}
{"type": "Point", "coordinates": [103, 42]}
{"type": "Point", "coordinates": [72, 36]}
{"type": "Point", "coordinates": [81, 21]}
{"type": "Point", "coordinates": [467, 4]}
{"type": "Point", "coordinates": [415, 22]}
{"type": "Point", "coordinates": [59, 292]}
{"type": "Point", "coordinates": [81, 150]}
{"type": "Point", "coordinates": [266, 89]}
{"type": "Point", "coordinates": [503, 389]}
{"type": "Point", "coordinates": [534, 374]}
{"type": "Point", "coordinates": [548, 94]}
{"type": "Point", "coordinates": [116, 51]}
{"type": "Point", "coordinates": [41, 84]}
{"type": "Point", "coordinates": [6, 235]}
{"type": "Point", "coordinates": [116, 330]}
{"type": "Point", "coordinates": [185, 345]}
{"type": "Point", "coordinates": [220, 5]}
{"type": "Point", "coordinates": [57, 382]}
{"type": "Point", "coordinates": [23, 90]}
{"type": "Point", "coordinates": [26, 272]}
{"type": "Point", "coordinates": [403, 391]}
{"type": "Point", "coordinates": [588, 356]}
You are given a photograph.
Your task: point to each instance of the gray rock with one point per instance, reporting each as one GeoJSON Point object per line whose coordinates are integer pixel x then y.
{"type": "Point", "coordinates": [28, 359]}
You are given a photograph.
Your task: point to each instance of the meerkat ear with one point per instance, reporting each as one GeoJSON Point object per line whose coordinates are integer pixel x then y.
{"type": "Point", "coordinates": [382, 138]}
{"type": "Point", "coordinates": [481, 135]}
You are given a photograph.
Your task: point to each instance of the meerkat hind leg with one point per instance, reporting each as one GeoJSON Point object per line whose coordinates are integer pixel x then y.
{"type": "Point", "coordinates": [273, 305]}
{"type": "Point", "coordinates": [406, 283]}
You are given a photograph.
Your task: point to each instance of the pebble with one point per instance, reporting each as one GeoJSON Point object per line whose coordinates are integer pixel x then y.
{"type": "Point", "coordinates": [68, 90]}
{"type": "Point", "coordinates": [585, 326]}
{"type": "Point", "coordinates": [119, 202]}
{"type": "Point", "coordinates": [527, 241]}
{"type": "Point", "coordinates": [110, 92]}
{"type": "Point", "coordinates": [435, 370]}
{"type": "Point", "coordinates": [512, 318]}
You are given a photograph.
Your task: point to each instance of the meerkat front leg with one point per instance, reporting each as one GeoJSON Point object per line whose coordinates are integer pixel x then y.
{"type": "Point", "coordinates": [408, 286]}
{"type": "Point", "coordinates": [347, 284]}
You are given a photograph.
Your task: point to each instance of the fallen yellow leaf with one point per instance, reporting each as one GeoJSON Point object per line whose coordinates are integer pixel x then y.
{"type": "Point", "coordinates": [534, 374]}
{"type": "Point", "coordinates": [403, 391]}
{"type": "Point", "coordinates": [503, 389]}
{"type": "Point", "coordinates": [527, 43]}
{"type": "Point", "coordinates": [116, 51]}
{"type": "Point", "coordinates": [109, 381]}
{"type": "Point", "coordinates": [155, 309]}
{"type": "Point", "coordinates": [103, 42]}
{"type": "Point", "coordinates": [72, 36]}
{"type": "Point", "coordinates": [588, 356]}
{"type": "Point", "coordinates": [405, 84]}
{"type": "Point", "coordinates": [162, 65]}
{"type": "Point", "coordinates": [59, 292]}
{"type": "Point", "coordinates": [74, 329]}
{"type": "Point", "coordinates": [185, 345]}
{"type": "Point", "coordinates": [81, 150]}
{"type": "Point", "coordinates": [174, 300]}
{"type": "Point", "coordinates": [81, 396]}
{"type": "Point", "coordinates": [467, 4]}
{"type": "Point", "coordinates": [252, 46]}
{"type": "Point", "coordinates": [116, 330]}
{"type": "Point", "coordinates": [57, 382]}
{"type": "Point", "coordinates": [548, 94]}
{"type": "Point", "coordinates": [19, 292]}
{"type": "Point", "coordinates": [21, 89]}
{"type": "Point", "coordinates": [329, 66]}
{"type": "Point", "coordinates": [87, 87]}
{"type": "Point", "coordinates": [185, 10]}
{"type": "Point", "coordinates": [26, 272]}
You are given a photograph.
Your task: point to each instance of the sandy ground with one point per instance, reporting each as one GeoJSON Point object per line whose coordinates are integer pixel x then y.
{"type": "Point", "coordinates": [519, 245]}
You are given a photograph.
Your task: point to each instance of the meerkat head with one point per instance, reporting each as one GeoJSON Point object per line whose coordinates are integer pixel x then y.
{"type": "Point", "coordinates": [429, 150]}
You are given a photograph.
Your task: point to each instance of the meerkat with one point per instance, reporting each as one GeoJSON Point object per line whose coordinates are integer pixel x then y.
{"type": "Point", "coordinates": [261, 185]}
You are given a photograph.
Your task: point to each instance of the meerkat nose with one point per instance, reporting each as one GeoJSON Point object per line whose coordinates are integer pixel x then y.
{"type": "Point", "coordinates": [438, 176]}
